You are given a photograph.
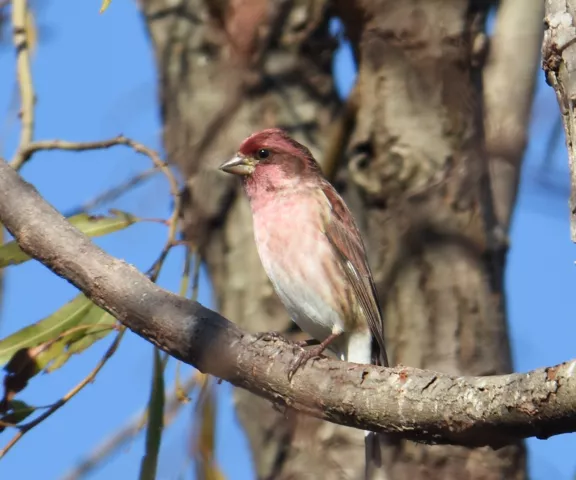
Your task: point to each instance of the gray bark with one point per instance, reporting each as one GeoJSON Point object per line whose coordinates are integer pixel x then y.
{"type": "Point", "coordinates": [559, 63]}
{"type": "Point", "coordinates": [402, 402]}
{"type": "Point", "coordinates": [410, 154]}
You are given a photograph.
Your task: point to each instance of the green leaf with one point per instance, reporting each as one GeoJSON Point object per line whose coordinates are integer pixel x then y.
{"type": "Point", "coordinates": [155, 421]}
{"type": "Point", "coordinates": [73, 317]}
{"type": "Point", "coordinates": [80, 340]}
{"type": "Point", "coordinates": [205, 457]}
{"type": "Point", "coordinates": [48, 344]}
{"type": "Point", "coordinates": [54, 351]}
{"type": "Point", "coordinates": [17, 412]}
{"type": "Point", "coordinates": [93, 226]}
{"type": "Point", "coordinates": [46, 329]}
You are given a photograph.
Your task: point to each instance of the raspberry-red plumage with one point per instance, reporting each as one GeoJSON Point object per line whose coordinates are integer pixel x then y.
{"type": "Point", "coordinates": [313, 253]}
{"type": "Point", "coordinates": [310, 245]}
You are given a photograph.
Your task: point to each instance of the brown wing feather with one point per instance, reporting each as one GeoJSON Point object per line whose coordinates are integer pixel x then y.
{"type": "Point", "coordinates": [345, 238]}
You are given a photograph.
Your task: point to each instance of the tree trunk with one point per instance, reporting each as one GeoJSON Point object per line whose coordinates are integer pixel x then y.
{"type": "Point", "coordinates": [418, 169]}
{"type": "Point", "coordinates": [224, 73]}
{"type": "Point", "coordinates": [417, 180]}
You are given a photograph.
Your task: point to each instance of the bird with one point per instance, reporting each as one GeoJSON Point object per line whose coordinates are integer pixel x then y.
{"type": "Point", "coordinates": [313, 253]}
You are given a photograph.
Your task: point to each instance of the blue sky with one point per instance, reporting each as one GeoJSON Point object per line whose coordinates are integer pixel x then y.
{"type": "Point", "coordinates": [95, 78]}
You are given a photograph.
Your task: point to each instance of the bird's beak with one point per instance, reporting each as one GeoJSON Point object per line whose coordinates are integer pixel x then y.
{"type": "Point", "coordinates": [238, 165]}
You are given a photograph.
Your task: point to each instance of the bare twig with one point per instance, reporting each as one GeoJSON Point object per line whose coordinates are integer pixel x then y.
{"type": "Point", "coordinates": [154, 270]}
{"type": "Point", "coordinates": [78, 328]}
{"type": "Point", "coordinates": [23, 429]}
{"type": "Point", "coordinates": [42, 145]}
{"type": "Point", "coordinates": [33, 147]}
{"type": "Point", "coordinates": [184, 285]}
{"type": "Point", "coordinates": [24, 75]}
{"type": "Point", "coordinates": [27, 147]}
{"type": "Point", "coordinates": [403, 402]}
{"type": "Point", "coordinates": [203, 442]}
{"type": "Point", "coordinates": [172, 241]}
{"type": "Point", "coordinates": [116, 442]}
{"type": "Point", "coordinates": [113, 193]}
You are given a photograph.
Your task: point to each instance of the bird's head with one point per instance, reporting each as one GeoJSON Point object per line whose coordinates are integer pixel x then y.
{"type": "Point", "coordinates": [270, 159]}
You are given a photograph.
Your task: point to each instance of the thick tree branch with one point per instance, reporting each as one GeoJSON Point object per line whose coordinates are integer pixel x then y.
{"type": "Point", "coordinates": [559, 64]}
{"type": "Point", "coordinates": [509, 78]}
{"type": "Point", "coordinates": [402, 401]}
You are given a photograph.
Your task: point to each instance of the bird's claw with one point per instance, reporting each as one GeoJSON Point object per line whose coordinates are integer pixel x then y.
{"type": "Point", "coordinates": [302, 358]}
{"type": "Point", "coordinates": [305, 355]}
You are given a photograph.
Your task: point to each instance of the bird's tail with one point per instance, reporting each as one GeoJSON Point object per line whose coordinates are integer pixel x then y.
{"type": "Point", "coordinates": [372, 441]}
{"type": "Point", "coordinates": [373, 450]}
{"type": "Point", "coordinates": [362, 347]}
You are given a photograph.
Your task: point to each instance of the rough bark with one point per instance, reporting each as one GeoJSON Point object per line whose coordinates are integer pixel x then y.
{"type": "Point", "coordinates": [559, 64]}
{"type": "Point", "coordinates": [508, 86]}
{"type": "Point", "coordinates": [418, 162]}
{"type": "Point", "coordinates": [402, 402]}
{"type": "Point", "coordinates": [226, 69]}
{"type": "Point", "coordinates": [417, 180]}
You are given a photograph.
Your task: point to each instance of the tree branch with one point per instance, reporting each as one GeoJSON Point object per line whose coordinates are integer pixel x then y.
{"type": "Point", "coordinates": [558, 62]}
{"type": "Point", "coordinates": [509, 79]}
{"type": "Point", "coordinates": [20, 38]}
{"type": "Point", "coordinates": [128, 432]}
{"type": "Point", "coordinates": [404, 402]}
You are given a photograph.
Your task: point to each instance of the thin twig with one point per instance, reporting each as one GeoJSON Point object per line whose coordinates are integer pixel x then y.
{"type": "Point", "coordinates": [43, 145]}
{"type": "Point", "coordinates": [125, 434]}
{"type": "Point", "coordinates": [401, 402]}
{"type": "Point", "coordinates": [196, 277]}
{"type": "Point", "coordinates": [65, 145]}
{"type": "Point", "coordinates": [60, 403]}
{"type": "Point", "coordinates": [24, 76]}
{"type": "Point", "coordinates": [77, 328]}
{"type": "Point", "coordinates": [154, 271]}
{"type": "Point", "coordinates": [113, 193]}
{"type": "Point", "coordinates": [138, 147]}
{"type": "Point", "coordinates": [184, 285]}
{"type": "Point", "coordinates": [172, 241]}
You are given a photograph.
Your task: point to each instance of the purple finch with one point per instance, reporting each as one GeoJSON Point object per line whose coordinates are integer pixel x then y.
{"type": "Point", "coordinates": [311, 250]}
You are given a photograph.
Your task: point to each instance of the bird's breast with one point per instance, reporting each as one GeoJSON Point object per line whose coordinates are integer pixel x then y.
{"type": "Point", "coordinates": [299, 262]}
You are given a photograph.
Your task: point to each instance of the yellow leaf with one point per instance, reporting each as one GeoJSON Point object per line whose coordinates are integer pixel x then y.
{"type": "Point", "coordinates": [105, 5]}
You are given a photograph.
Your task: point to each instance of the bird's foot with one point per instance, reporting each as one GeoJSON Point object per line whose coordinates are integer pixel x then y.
{"type": "Point", "coordinates": [302, 358]}
{"type": "Point", "coordinates": [305, 355]}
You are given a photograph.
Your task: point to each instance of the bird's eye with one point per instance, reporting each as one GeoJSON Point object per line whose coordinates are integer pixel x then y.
{"type": "Point", "coordinates": [263, 153]}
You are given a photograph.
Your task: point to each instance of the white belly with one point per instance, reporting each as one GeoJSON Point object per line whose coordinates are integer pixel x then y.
{"type": "Point", "coordinates": [304, 306]}
{"type": "Point", "coordinates": [313, 316]}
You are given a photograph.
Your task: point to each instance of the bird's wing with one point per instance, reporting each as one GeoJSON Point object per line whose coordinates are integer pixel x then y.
{"type": "Point", "coordinates": [344, 236]}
